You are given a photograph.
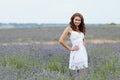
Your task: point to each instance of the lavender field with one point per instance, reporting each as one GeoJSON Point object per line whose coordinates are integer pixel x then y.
{"type": "Point", "coordinates": [35, 54]}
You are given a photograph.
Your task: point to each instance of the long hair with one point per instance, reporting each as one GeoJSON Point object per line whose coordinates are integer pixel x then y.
{"type": "Point", "coordinates": [81, 27]}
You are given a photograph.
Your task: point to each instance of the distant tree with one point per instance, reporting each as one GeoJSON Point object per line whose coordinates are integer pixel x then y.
{"type": "Point", "coordinates": [112, 23]}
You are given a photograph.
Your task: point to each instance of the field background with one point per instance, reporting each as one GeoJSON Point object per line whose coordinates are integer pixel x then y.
{"type": "Point", "coordinates": [35, 53]}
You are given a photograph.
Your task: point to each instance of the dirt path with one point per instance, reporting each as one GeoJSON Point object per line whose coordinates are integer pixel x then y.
{"type": "Point", "coordinates": [101, 41]}
{"type": "Point", "coordinates": [95, 41]}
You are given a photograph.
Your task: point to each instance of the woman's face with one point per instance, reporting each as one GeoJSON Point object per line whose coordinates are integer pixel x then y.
{"type": "Point", "coordinates": [77, 21]}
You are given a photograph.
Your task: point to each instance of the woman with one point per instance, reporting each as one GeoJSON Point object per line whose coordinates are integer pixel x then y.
{"type": "Point", "coordinates": [78, 56]}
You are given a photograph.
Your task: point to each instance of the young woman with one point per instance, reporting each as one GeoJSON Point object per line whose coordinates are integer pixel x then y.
{"type": "Point", "coordinates": [78, 55]}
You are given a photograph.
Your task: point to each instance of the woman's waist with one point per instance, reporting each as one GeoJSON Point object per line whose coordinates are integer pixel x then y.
{"type": "Point", "coordinates": [77, 42]}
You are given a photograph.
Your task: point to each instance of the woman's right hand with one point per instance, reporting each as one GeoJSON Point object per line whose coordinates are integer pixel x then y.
{"type": "Point", "coordinates": [75, 48]}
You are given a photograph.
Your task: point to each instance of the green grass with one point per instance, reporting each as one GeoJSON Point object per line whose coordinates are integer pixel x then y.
{"type": "Point", "coordinates": [18, 62]}
{"type": "Point", "coordinates": [104, 65]}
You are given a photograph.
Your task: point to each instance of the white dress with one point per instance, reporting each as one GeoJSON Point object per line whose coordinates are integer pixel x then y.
{"type": "Point", "coordinates": [78, 59]}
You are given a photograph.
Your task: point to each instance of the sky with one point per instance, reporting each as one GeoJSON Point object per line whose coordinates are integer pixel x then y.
{"type": "Point", "coordinates": [59, 11]}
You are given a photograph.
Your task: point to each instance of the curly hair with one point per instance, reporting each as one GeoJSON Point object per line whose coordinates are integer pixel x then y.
{"type": "Point", "coordinates": [81, 27]}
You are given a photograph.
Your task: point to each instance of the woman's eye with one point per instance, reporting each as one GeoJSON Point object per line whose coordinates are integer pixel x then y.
{"type": "Point", "coordinates": [77, 20]}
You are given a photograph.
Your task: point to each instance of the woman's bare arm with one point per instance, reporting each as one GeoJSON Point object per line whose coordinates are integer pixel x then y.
{"type": "Point", "coordinates": [63, 36]}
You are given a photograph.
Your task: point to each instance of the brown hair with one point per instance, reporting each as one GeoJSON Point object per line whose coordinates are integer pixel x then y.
{"type": "Point", "coordinates": [81, 27]}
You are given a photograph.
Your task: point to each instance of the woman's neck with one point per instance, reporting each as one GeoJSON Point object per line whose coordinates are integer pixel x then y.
{"type": "Point", "coordinates": [77, 28]}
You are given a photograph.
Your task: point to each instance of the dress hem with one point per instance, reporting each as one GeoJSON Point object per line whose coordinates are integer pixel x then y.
{"type": "Point", "coordinates": [78, 69]}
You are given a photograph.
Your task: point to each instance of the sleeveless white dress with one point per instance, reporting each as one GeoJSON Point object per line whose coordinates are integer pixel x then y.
{"type": "Point", "coordinates": [78, 59]}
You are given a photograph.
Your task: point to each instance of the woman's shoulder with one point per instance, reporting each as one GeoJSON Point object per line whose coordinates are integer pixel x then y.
{"type": "Point", "coordinates": [68, 28]}
{"type": "Point", "coordinates": [83, 34]}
